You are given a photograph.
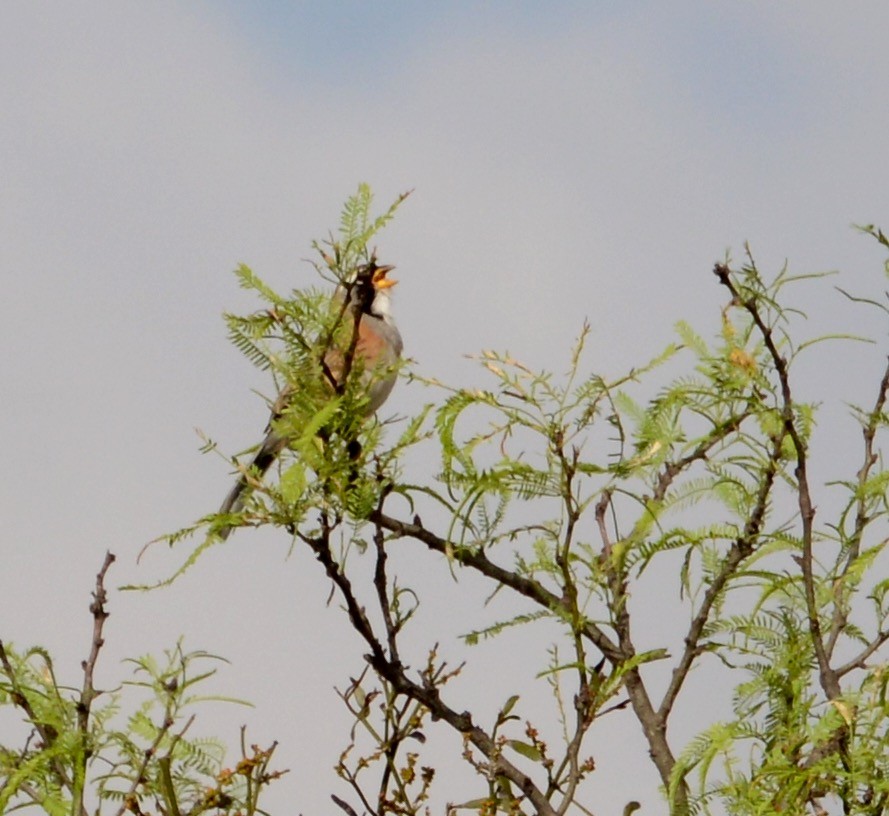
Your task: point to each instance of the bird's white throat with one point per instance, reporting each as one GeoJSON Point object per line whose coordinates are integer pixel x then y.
{"type": "Point", "coordinates": [382, 307]}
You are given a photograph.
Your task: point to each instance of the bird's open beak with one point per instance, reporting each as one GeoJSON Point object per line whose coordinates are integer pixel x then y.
{"type": "Point", "coordinates": [380, 281]}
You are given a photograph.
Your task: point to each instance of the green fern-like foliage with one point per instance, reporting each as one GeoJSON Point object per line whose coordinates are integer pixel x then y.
{"type": "Point", "coordinates": [140, 761]}
{"type": "Point", "coordinates": [591, 487]}
{"type": "Point", "coordinates": [358, 228]}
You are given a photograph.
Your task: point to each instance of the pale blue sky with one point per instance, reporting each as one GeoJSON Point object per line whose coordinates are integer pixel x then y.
{"type": "Point", "coordinates": [569, 160]}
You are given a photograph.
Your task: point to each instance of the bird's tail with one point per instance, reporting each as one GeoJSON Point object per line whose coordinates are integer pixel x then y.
{"type": "Point", "coordinates": [261, 462]}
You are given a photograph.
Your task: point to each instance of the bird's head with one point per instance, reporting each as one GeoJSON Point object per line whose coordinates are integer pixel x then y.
{"type": "Point", "coordinates": [371, 286]}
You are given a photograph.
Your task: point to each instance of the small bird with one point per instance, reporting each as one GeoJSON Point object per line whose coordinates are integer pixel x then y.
{"type": "Point", "coordinates": [374, 347]}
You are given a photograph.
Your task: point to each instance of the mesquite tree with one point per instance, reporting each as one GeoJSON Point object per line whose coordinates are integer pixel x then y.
{"type": "Point", "coordinates": [566, 493]}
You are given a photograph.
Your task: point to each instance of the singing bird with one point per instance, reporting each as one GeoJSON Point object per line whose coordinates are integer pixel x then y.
{"type": "Point", "coordinates": [373, 347]}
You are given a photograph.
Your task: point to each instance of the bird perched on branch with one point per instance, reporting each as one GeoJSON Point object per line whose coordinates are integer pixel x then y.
{"type": "Point", "coordinates": [371, 348]}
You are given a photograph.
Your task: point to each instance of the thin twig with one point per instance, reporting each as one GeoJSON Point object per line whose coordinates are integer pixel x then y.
{"type": "Point", "coordinates": [381, 585]}
{"type": "Point", "coordinates": [147, 755]}
{"type": "Point", "coordinates": [88, 691]}
{"type": "Point", "coordinates": [582, 701]}
{"type": "Point", "coordinates": [862, 516]}
{"type": "Point", "coordinates": [859, 661]}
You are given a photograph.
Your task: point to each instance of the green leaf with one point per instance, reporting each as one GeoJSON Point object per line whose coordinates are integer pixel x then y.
{"type": "Point", "coordinates": [525, 749]}
{"type": "Point", "coordinates": [508, 706]}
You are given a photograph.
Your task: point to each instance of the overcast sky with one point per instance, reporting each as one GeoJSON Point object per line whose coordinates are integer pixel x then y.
{"type": "Point", "coordinates": [570, 160]}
